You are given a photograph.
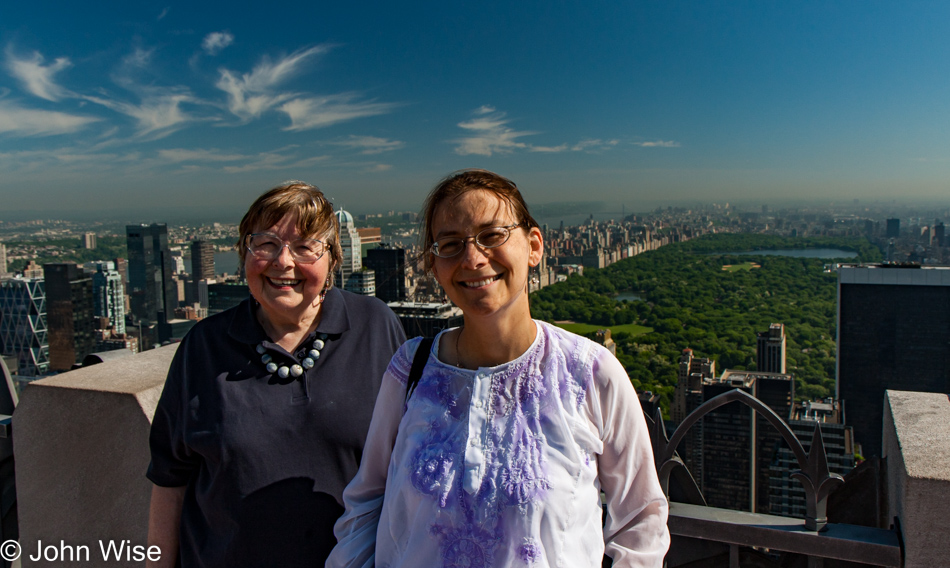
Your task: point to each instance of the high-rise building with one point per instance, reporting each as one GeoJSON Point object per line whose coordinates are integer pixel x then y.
{"type": "Point", "coordinates": [893, 330]}
{"type": "Point", "coordinates": [692, 373]}
{"type": "Point", "coordinates": [108, 294]}
{"type": "Point", "coordinates": [738, 450]}
{"type": "Point", "coordinates": [787, 495]}
{"type": "Point", "coordinates": [150, 268]}
{"type": "Point", "coordinates": [770, 349]}
{"type": "Point", "coordinates": [3, 259]}
{"type": "Point", "coordinates": [202, 260]}
{"type": "Point", "coordinates": [362, 282]}
{"type": "Point", "coordinates": [893, 228]}
{"type": "Point", "coordinates": [426, 319]}
{"type": "Point", "coordinates": [23, 332]}
{"type": "Point", "coordinates": [69, 315]}
{"type": "Point", "coordinates": [939, 233]}
{"type": "Point", "coordinates": [89, 240]}
{"type": "Point", "coordinates": [224, 295]}
{"type": "Point", "coordinates": [350, 243]}
{"type": "Point", "coordinates": [389, 264]}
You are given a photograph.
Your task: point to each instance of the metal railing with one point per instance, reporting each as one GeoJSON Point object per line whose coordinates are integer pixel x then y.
{"type": "Point", "coordinates": [813, 537]}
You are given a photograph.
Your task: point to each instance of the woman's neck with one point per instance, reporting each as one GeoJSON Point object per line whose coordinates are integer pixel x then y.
{"type": "Point", "coordinates": [288, 332]}
{"type": "Point", "coordinates": [483, 343]}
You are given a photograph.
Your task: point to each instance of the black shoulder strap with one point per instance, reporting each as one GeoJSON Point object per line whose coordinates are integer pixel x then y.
{"type": "Point", "coordinates": [418, 364]}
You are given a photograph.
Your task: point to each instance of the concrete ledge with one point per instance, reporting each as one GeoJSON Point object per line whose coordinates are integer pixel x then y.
{"type": "Point", "coordinates": [81, 443]}
{"type": "Point", "coordinates": [917, 447]}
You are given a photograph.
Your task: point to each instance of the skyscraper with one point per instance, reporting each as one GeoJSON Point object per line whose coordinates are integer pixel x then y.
{"type": "Point", "coordinates": [3, 259]}
{"type": "Point", "coordinates": [389, 264]}
{"type": "Point", "coordinates": [108, 295]}
{"type": "Point", "coordinates": [69, 316]}
{"type": "Point", "coordinates": [202, 260]}
{"type": "Point", "coordinates": [350, 243]}
{"type": "Point", "coordinates": [151, 288]}
{"type": "Point", "coordinates": [23, 331]}
{"type": "Point", "coordinates": [893, 330]}
{"type": "Point", "coordinates": [893, 228]}
{"type": "Point", "coordinates": [770, 349]}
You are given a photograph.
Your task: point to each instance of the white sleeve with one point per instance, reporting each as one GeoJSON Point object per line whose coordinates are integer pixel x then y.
{"type": "Point", "coordinates": [355, 531]}
{"type": "Point", "coordinates": [635, 534]}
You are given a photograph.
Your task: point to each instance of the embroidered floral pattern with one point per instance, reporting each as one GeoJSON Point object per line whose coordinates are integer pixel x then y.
{"type": "Point", "coordinates": [512, 469]}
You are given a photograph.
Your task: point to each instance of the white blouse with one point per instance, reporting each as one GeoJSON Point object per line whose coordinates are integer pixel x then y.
{"type": "Point", "coordinates": [503, 466]}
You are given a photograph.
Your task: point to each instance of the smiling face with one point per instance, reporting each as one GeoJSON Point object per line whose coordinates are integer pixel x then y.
{"type": "Point", "coordinates": [287, 291]}
{"type": "Point", "coordinates": [485, 282]}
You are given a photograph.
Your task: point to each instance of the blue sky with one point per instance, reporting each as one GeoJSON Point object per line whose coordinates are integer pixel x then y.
{"type": "Point", "coordinates": [119, 107]}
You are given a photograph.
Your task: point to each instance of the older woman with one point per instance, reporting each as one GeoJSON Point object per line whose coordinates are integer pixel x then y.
{"type": "Point", "coordinates": [501, 452]}
{"type": "Point", "coordinates": [266, 407]}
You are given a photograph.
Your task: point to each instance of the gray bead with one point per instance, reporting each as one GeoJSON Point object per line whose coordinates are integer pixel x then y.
{"type": "Point", "coordinates": [296, 370]}
{"type": "Point", "coordinates": [314, 354]}
{"type": "Point", "coordinates": [318, 344]}
{"type": "Point", "coordinates": [261, 349]}
{"type": "Point", "coordinates": [266, 358]}
{"type": "Point", "coordinates": [307, 363]}
{"type": "Point", "coordinates": [272, 367]}
{"type": "Point", "coordinates": [283, 372]}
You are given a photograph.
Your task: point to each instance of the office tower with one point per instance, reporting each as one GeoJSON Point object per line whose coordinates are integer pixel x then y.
{"type": "Point", "coordinates": [787, 495]}
{"type": "Point", "coordinates": [151, 288]}
{"type": "Point", "coordinates": [938, 234]}
{"type": "Point", "coordinates": [389, 264]}
{"type": "Point", "coordinates": [737, 450]}
{"type": "Point", "coordinates": [893, 228]}
{"type": "Point", "coordinates": [350, 242]}
{"type": "Point", "coordinates": [362, 282]}
{"type": "Point", "coordinates": [3, 259]}
{"type": "Point", "coordinates": [224, 295]}
{"type": "Point", "coordinates": [770, 349]}
{"type": "Point", "coordinates": [202, 260]}
{"type": "Point", "coordinates": [108, 295]}
{"type": "Point", "coordinates": [426, 319]}
{"type": "Point", "coordinates": [89, 240]}
{"type": "Point", "coordinates": [893, 330]}
{"type": "Point", "coordinates": [23, 331]}
{"type": "Point", "coordinates": [69, 315]}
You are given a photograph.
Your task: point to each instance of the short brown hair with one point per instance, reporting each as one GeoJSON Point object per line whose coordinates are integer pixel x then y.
{"type": "Point", "coordinates": [457, 184]}
{"type": "Point", "coordinates": [315, 218]}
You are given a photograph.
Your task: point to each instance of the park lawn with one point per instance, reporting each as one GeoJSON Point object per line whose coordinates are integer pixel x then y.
{"type": "Point", "coordinates": [743, 266]}
{"type": "Point", "coordinates": [583, 328]}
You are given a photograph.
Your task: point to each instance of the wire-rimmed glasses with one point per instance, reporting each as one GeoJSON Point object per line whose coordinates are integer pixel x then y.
{"type": "Point", "coordinates": [491, 237]}
{"type": "Point", "coordinates": [267, 246]}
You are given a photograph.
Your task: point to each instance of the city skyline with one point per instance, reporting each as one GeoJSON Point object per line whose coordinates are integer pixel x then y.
{"type": "Point", "coordinates": [124, 108]}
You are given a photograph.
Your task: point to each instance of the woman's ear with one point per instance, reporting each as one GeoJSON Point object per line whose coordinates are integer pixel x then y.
{"type": "Point", "coordinates": [535, 246]}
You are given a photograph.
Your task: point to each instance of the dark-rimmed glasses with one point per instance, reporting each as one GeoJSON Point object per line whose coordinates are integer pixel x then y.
{"type": "Point", "coordinates": [492, 237]}
{"type": "Point", "coordinates": [267, 246]}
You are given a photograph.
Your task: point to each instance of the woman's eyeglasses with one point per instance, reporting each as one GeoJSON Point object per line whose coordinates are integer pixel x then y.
{"type": "Point", "coordinates": [267, 246]}
{"type": "Point", "coordinates": [491, 237]}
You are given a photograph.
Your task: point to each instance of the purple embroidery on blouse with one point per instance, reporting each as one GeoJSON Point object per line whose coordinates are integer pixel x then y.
{"type": "Point", "coordinates": [522, 478]}
{"type": "Point", "coordinates": [466, 547]}
{"type": "Point", "coordinates": [530, 551]}
{"type": "Point", "coordinates": [433, 469]}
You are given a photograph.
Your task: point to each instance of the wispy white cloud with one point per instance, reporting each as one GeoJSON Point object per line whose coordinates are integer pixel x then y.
{"type": "Point", "coordinates": [21, 121]}
{"type": "Point", "coordinates": [588, 145]}
{"type": "Point", "coordinates": [139, 59]}
{"type": "Point", "coordinates": [216, 41]}
{"type": "Point", "coordinates": [178, 155]}
{"type": "Point", "coordinates": [658, 144]}
{"type": "Point", "coordinates": [252, 94]}
{"type": "Point", "coordinates": [379, 168]}
{"type": "Point", "coordinates": [369, 144]}
{"type": "Point", "coordinates": [490, 134]}
{"type": "Point", "coordinates": [164, 13]}
{"type": "Point", "coordinates": [319, 112]}
{"type": "Point", "coordinates": [37, 78]}
{"type": "Point", "coordinates": [549, 149]}
{"type": "Point", "coordinates": [159, 113]}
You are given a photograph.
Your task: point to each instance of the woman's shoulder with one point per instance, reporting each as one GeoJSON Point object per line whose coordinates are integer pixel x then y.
{"type": "Point", "coordinates": [401, 362]}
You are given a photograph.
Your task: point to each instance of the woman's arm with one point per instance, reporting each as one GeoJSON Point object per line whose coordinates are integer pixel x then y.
{"type": "Point", "coordinates": [164, 520]}
{"type": "Point", "coordinates": [356, 529]}
{"type": "Point", "coordinates": [636, 534]}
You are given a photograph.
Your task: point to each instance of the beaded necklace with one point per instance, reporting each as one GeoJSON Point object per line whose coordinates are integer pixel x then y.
{"type": "Point", "coordinates": [295, 370]}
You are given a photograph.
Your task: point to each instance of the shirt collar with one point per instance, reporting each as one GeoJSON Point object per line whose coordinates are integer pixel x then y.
{"type": "Point", "coordinates": [334, 319]}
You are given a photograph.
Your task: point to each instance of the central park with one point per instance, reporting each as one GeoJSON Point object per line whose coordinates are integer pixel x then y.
{"type": "Point", "coordinates": [711, 295]}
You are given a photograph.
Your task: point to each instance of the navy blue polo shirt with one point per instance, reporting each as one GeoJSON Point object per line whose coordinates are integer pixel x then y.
{"type": "Point", "coordinates": [265, 460]}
